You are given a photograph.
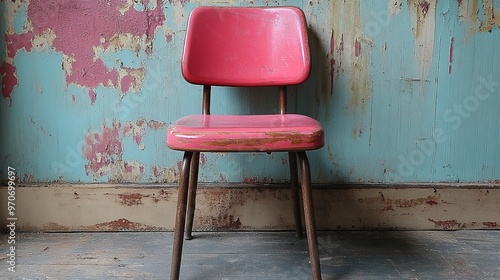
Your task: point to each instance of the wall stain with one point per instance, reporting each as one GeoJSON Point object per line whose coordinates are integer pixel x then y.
{"type": "Point", "coordinates": [388, 204]}
{"type": "Point", "coordinates": [447, 224]}
{"type": "Point", "coordinates": [423, 16]}
{"type": "Point", "coordinates": [130, 199]}
{"type": "Point", "coordinates": [490, 224]}
{"type": "Point", "coordinates": [121, 225]}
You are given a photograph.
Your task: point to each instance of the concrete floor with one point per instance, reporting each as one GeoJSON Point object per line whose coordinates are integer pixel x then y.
{"type": "Point", "coordinates": [256, 255]}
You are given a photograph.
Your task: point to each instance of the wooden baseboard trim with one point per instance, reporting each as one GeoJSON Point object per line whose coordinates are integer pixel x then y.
{"type": "Point", "coordinates": [59, 207]}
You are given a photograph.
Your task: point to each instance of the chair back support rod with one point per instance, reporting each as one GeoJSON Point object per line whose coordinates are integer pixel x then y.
{"type": "Point", "coordinates": [282, 100]}
{"type": "Point", "coordinates": [205, 107]}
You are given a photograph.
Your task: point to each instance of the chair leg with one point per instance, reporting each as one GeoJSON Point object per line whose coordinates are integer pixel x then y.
{"type": "Point", "coordinates": [193, 183]}
{"type": "Point", "coordinates": [294, 182]}
{"type": "Point", "coordinates": [309, 216]}
{"type": "Point", "coordinates": [180, 218]}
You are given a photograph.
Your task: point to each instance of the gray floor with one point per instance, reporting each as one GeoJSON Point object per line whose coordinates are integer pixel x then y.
{"type": "Point", "coordinates": [262, 255]}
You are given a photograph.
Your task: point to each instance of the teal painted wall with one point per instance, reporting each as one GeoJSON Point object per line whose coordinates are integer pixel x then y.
{"type": "Point", "coordinates": [407, 91]}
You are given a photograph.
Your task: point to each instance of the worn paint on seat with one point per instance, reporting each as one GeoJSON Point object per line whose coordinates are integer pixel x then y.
{"type": "Point", "coordinates": [245, 133]}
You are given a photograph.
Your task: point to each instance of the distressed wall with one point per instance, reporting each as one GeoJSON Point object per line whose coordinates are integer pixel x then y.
{"type": "Point", "coordinates": [407, 90]}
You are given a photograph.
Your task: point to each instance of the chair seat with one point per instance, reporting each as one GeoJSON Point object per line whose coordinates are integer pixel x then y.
{"type": "Point", "coordinates": [245, 133]}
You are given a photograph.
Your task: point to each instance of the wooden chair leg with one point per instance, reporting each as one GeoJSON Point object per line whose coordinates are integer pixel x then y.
{"type": "Point", "coordinates": [309, 216]}
{"type": "Point", "coordinates": [193, 183]}
{"type": "Point", "coordinates": [294, 182]}
{"type": "Point", "coordinates": [180, 218]}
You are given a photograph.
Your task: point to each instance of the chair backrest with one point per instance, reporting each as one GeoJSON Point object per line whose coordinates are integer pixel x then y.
{"type": "Point", "coordinates": [246, 46]}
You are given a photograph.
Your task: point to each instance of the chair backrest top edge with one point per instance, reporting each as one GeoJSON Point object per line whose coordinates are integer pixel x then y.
{"type": "Point", "coordinates": [246, 46]}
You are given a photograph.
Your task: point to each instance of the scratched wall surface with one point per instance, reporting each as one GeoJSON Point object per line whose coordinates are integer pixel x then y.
{"type": "Point", "coordinates": [407, 91]}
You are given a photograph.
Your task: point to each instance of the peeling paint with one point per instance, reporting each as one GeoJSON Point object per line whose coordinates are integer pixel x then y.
{"type": "Point", "coordinates": [136, 131]}
{"type": "Point", "coordinates": [16, 42]}
{"type": "Point", "coordinates": [44, 41]}
{"type": "Point", "coordinates": [114, 26]}
{"type": "Point", "coordinates": [480, 20]}
{"type": "Point", "coordinates": [102, 149]}
{"type": "Point", "coordinates": [165, 174]}
{"type": "Point", "coordinates": [156, 125]}
{"type": "Point", "coordinates": [346, 22]}
{"type": "Point", "coordinates": [395, 6]}
{"type": "Point", "coordinates": [447, 224]}
{"type": "Point", "coordinates": [120, 225]}
{"type": "Point", "coordinates": [423, 15]}
{"type": "Point", "coordinates": [9, 79]}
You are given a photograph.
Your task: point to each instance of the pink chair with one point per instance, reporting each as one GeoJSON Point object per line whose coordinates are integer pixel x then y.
{"type": "Point", "coordinates": [229, 46]}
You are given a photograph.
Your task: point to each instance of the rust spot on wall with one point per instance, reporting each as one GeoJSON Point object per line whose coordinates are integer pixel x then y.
{"type": "Point", "coordinates": [388, 204]}
{"type": "Point", "coordinates": [130, 198]}
{"type": "Point", "coordinates": [55, 227]}
{"type": "Point", "coordinates": [447, 224]}
{"type": "Point", "coordinates": [162, 195]}
{"type": "Point", "coordinates": [490, 224]}
{"type": "Point", "coordinates": [120, 225]}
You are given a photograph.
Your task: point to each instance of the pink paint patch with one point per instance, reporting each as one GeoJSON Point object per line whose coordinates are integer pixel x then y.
{"type": "Point", "coordinates": [9, 79]}
{"type": "Point", "coordinates": [203, 160]}
{"type": "Point", "coordinates": [92, 96]}
{"type": "Point", "coordinates": [424, 5]}
{"type": "Point", "coordinates": [138, 139]}
{"type": "Point", "coordinates": [459, 2]}
{"type": "Point", "coordinates": [126, 83]}
{"type": "Point", "coordinates": [17, 42]}
{"type": "Point", "coordinates": [140, 122]}
{"type": "Point", "coordinates": [141, 168]}
{"type": "Point", "coordinates": [93, 21]}
{"type": "Point", "coordinates": [127, 128]}
{"type": "Point", "coordinates": [128, 168]}
{"type": "Point", "coordinates": [155, 170]}
{"type": "Point", "coordinates": [169, 38]}
{"type": "Point", "coordinates": [102, 149]}
{"type": "Point", "coordinates": [357, 48]}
